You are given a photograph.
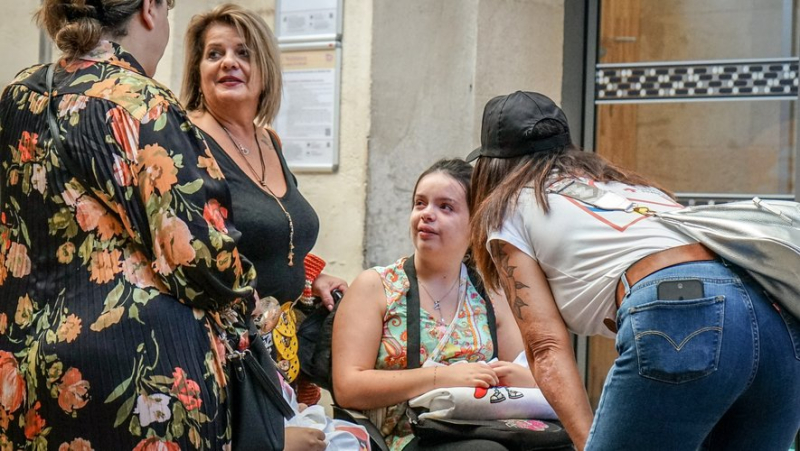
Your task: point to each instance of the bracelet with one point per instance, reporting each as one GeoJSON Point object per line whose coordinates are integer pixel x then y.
{"type": "Point", "coordinates": [434, 376]}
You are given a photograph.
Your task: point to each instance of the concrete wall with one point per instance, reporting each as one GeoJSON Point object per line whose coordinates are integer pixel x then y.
{"type": "Point", "coordinates": [20, 38]}
{"type": "Point", "coordinates": [435, 65]}
{"type": "Point", "coordinates": [415, 77]}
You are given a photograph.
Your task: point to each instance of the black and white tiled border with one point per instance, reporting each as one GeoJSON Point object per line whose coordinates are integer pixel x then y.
{"type": "Point", "coordinates": [697, 80]}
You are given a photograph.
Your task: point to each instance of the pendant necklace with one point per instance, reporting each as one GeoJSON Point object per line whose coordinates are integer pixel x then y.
{"type": "Point", "coordinates": [437, 305]}
{"type": "Point", "coordinates": [263, 181]}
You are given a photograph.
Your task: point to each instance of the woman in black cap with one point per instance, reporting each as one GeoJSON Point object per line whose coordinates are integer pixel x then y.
{"type": "Point", "coordinates": [551, 227]}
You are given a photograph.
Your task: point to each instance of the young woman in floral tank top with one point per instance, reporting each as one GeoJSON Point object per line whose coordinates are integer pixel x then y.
{"type": "Point", "coordinates": [373, 376]}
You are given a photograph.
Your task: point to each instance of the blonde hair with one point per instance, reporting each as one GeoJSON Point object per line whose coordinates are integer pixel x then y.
{"type": "Point", "coordinates": [76, 26]}
{"type": "Point", "coordinates": [259, 40]}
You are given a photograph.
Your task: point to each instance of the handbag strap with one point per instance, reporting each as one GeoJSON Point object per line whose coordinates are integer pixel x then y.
{"type": "Point", "coordinates": [55, 133]}
{"type": "Point", "coordinates": [413, 312]}
{"type": "Point", "coordinates": [596, 197]}
{"type": "Point", "coordinates": [269, 385]}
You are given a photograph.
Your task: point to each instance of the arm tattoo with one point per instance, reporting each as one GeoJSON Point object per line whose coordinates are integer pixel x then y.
{"type": "Point", "coordinates": [506, 272]}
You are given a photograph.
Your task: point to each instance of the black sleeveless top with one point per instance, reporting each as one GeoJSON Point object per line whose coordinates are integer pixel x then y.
{"type": "Point", "coordinates": [265, 229]}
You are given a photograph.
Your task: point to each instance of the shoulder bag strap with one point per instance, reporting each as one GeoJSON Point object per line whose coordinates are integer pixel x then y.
{"type": "Point", "coordinates": [591, 195]}
{"type": "Point", "coordinates": [55, 133]}
{"type": "Point", "coordinates": [477, 282]}
{"type": "Point", "coordinates": [412, 315]}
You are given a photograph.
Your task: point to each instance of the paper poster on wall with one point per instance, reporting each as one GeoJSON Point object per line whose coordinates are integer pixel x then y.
{"type": "Point", "coordinates": [302, 20]}
{"type": "Point", "coordinates": [308, 118]}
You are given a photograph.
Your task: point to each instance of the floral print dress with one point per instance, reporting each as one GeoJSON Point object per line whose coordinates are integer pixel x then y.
{"type": "Point", "coordinates": [470, 340]}
{"type": "Point", "coordinates": [110, 286]}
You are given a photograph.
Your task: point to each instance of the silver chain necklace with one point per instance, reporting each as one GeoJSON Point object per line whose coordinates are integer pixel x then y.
{"type": "Point", "coordinates": [437, 305]}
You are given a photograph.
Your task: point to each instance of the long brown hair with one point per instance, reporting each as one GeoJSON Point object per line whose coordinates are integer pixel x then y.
{"type": "Point", "coordinates": [496, 183]}
{"type": "Point", "coordinates": [263, 50]}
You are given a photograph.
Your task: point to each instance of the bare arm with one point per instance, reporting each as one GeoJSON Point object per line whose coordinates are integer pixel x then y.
{"type": "Point", "coordinates": [547, 341]}
{"type": "Point", "coordinates": [510, 345]}
{"type": "Point", "coordinates": [357, 332]}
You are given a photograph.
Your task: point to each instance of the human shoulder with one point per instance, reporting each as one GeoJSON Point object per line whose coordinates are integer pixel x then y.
{"type": "Point", "coordinates": [26, 74]}
{"type": "Point", "coordinates": [144, 98]}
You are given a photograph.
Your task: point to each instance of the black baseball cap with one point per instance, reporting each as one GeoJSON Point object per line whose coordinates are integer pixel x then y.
{"type": "Point", "coordinates": [508, 123]}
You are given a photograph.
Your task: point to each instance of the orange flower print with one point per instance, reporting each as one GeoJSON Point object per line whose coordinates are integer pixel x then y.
{"type": "Point", "coordinates": [209, 163]}
{"type": "Point", "coordinates": [104, 265]}
{"type": "Point", "coordinates": [3, 270]}
{"type": "Point", "coordinates": [111, 88]}
{"type": "Point", "coordinates": [156, 444]}
{"type": "Point", "coordinates": [88, 212]}
{"type": "Point", "coordinates": [216, 215]}
{"type": "Point", "coordinates": [174, 245]}
{"type": "Point", "coordinates": [157, 106]}
{"type": "Point", "coordinates": [122, 172]}
{"type": "Point", "coordinates": [156, 170]}
{"type": "Point", "coordinates": [187, 390]}
{"type": "Point", "coordinates": [237, 262]}
{"type": "Point", "coordinates": [33, 422]}
{"type": "Point", "coordinates": [73, 391]}
{"type": "Point", "coordinates": [137, 271]}
{"type": "Point", "coordinates": [17, 260]}
{"type": "Point", "coordinates": [108, 226]}
{"type": "Point", "coordinates": [12, 383]}
{"type": "Point", "coordinates": [24, 312]}
{"type": "Point", "coordinates": [78, 444]}
{"type": "Point", "coordinates": [5, 419]}
{"type": "Point", "coordinates": [126, 131]}
{"type": "Point", "coordinates": [65, 252]}
{"type": "Point", "coordinates": [69, 329]}
{"type": "Point", "coordinates": [27, 146]}
{"type": "Point", "coordinates": [3, 323]}
{"type": "Point", "coordinates": [76, 65]}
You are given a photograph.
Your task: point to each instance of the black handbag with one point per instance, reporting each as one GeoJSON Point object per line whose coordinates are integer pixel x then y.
{"type": "Point", "coordinates": [256, 400]}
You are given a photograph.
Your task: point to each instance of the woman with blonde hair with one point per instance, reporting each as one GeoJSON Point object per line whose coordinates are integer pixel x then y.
{"type": "Point", "coordinates": [232, 88]}
{"type": "Point", "coordinates": [119, 267]}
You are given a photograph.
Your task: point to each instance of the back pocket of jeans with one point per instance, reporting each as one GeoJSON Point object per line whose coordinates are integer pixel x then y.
{"type": "Point", "coordinates": [678, 341]}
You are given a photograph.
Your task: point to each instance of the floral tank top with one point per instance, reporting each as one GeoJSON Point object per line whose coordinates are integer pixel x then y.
{"type": "Point", "coordinates": [470, 340]}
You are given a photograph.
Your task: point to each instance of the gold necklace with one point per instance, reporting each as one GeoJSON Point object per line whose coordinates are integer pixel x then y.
{"type": "Point", "coordinates": [245, 151]}
{"type": "Point", "coordinates": [437, 305]}
{"type": "Point", "coordinates": [264, 185]}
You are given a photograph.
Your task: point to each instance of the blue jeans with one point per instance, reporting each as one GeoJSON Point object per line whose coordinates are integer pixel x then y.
{"type": "Point", "coordinates": [717, 373]}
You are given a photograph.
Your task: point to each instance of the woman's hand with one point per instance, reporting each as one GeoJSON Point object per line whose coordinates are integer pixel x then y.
{"type": "Point", "coordinates": [302, 439]}
{"type": "Point", "coordinates": [466, 375]}
{"type": "Point", "coordinates": [513, 375]}
{"type": "Point", "coordinates": [323, 285]}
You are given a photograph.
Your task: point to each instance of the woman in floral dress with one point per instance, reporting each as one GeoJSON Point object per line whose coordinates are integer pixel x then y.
{"type": "Point", "coordinates": [116, 279]}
